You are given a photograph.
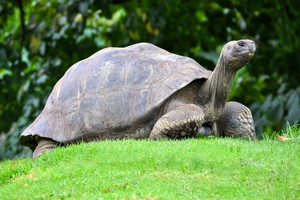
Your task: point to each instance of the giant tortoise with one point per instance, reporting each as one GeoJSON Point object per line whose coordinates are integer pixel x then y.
{"type": "Point", "coordinates": [142, 91]}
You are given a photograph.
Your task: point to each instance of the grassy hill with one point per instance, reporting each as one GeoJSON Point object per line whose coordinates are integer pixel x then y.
{"type": "Point", "coordinates": [207, 168]}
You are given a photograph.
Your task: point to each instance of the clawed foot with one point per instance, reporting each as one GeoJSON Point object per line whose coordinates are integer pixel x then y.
{"type": "Point", "coordinates": [44, 145]}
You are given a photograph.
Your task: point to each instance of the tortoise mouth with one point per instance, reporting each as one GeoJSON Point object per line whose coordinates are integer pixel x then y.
{"type": "Point", "coordinates": [247, 52]}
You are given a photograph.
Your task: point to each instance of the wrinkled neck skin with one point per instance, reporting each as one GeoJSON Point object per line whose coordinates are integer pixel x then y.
{"type": "Point", "coordinates": [216, 88]}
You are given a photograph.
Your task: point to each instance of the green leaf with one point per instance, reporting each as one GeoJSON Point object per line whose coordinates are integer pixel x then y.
{"type": "Point", "coordinates": [293, 99]}
{"type": "Point", "coordinates": [276, 110]}
{"type": "Point", "coordinates": [25, 58]}
{"type": "Point", "coordinates": [43, 48]}
{"type": "Point", "coordinates": [22, 90]}
{"type": "Point", "coordinates": [4, 72]}
{"type": "Point", "coordinates": [293, 114]}
{"type": "Point", "coordinates": [62, 20]}
{"type": "Point", "coordinates": [282, 88]}
{"type": "Point", "coordinates": [212, 56]}
{"type": "Point", "coordinates": [265, 106]}
{"type": "Point", "coordinates": [83, 8]}
{"type": "Point", "coordinates": [293, 107]}
{"type": "Point", "coordinates": [42, 79]}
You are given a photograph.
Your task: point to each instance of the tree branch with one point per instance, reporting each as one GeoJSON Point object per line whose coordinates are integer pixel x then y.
{"type": "Point", "coordinates": [119, 1]}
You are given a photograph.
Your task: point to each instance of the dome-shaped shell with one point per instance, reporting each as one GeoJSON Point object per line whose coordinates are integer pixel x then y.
{"type": "Point", "coordinates": [113, 92]}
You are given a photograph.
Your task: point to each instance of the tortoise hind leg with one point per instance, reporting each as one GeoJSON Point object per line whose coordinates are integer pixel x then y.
{"type": "Point", "coordinates": [43, 145]}
{"type": "Point", "coordinates": [181, 122]}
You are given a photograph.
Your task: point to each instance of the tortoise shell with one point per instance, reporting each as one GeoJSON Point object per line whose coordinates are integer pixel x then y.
{"type": "Point", "coordinates": [112, 94]}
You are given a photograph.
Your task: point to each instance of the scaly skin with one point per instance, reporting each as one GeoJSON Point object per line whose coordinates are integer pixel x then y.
{"type": "Point", "coordinates": [199, 103]}
{"type": "Point", "coordinates": [178, 123]}
{"type": "Point", "coordinates": [44, 145]}
{"type": "Point", "coordinates": [209, 105]}
{"type": "Point", "coordinates": [236, 121]}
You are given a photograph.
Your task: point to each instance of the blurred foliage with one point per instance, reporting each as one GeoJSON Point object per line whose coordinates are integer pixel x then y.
{"type": "Point", "coordinates": [40, 40]}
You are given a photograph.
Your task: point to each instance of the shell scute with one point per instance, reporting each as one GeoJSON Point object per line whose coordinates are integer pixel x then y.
{"type": "Point", "coordinates": [113, 92]}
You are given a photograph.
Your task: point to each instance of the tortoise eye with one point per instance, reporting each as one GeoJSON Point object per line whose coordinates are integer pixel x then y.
{"type": "Point", "coordinates": [241, 43]}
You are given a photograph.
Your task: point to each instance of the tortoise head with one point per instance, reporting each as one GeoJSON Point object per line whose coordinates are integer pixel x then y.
{"type": "Point", "coordinates": [237, 54]}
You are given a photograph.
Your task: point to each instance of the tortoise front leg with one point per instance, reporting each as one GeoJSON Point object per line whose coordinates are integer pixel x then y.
{"type": "Point", "coordinates": [43, 145]}
{"type": "Point", "coordinates": [182, 122]}
{"type": "Point", "coordinates": [236, 121]}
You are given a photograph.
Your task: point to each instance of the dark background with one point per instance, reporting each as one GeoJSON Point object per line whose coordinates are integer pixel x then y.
{"type": "Point", "coordinates": [40, 40]}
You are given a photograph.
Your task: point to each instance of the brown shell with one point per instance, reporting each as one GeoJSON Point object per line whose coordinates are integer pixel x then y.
{"type": "Point", "coordinates": [113, 92]}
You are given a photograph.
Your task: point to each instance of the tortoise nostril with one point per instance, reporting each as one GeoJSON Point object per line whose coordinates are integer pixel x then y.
{"type": "Point", "coordinates": [252, 47]}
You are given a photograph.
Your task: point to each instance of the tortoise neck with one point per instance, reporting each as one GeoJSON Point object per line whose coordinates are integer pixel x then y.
{"type": "Point", "coordinates": [217, 86]}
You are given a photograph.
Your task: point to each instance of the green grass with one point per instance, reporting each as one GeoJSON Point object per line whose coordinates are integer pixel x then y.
{"type": "Point", "coordinates": [209, 168]}
{"type": "Point", "coordinates": [290, 132]}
